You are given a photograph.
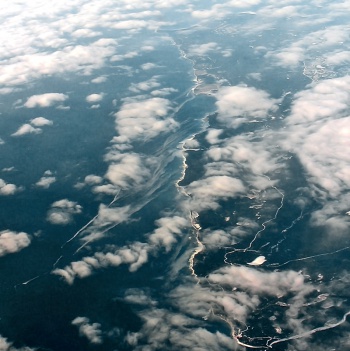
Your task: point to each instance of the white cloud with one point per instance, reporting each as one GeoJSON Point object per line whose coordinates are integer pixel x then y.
{"type": "Point", "coordinates": [26, 129]}
{"type": "Point", "coordinates": [11, 242]}
{"type": "Point", "coordinates": [241, 150]}
{"type": "Point", "coordinates": [213, 135]}
{"type": "Point", "coordinates": [310, 45]}
{"type": "Point", "coordinates": [127, 170]}
{"type": "Point", "coordinates": [99, 80]}
{"type": "Point", "coordinates": [85, 33]}
{"type": "Point", "coordinates": [45, 100]}
{"type": "Point", "coordinates": [162, 327]}
{"type": "Point", "coordinates": [62, 212]}
{"type": "Point", "coordinates": [168, 230]}
{"type": "Point", "coordinates": [5, 345]}
{"type": "Point", "coordinates": [145, 119]}
{"type": "Point", "coordinates": [40, 122]}
{"type": "Point", "coordinates": [318, 133]}
{"type": "Point", "coordinates": [206, 193]}
{"type": "Point", "coordinates": [45, 182]}
{"type": "Point", "coordinates": [241, 104]}
{"type": "Point", "coordinates": [135, 255]}
{"type": "Point", "coordinates": [106, 219]}
{"type": "Point", "coordinates": [93, 98]}
{"type": "Point", "coordinates": [203, 49]}
{"type": "Point", "coordinates": [92, 179]}
{"type": "Point", "coordinates": [223, 9]}
{"type": "Point", "coordinates": [91, 331]}
{"type": "Point", "coordinates": [7, 189]}
{"type": "Point", "coordinates": [147, 66]}
{"type": "Point", "coordinates": [144, 86]}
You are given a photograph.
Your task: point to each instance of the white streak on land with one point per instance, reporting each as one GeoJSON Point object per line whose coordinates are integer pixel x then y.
{"type": "Point", "coordinates": [249, 247]}
{"type": "Point", "coordinates": [309, 257]}
{"type": "Point", "coordinates": [268, 221]}
{"type": "Point", "coordinates": [310, 332]}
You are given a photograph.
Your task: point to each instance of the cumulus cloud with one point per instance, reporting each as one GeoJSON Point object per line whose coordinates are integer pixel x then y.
{"type": "Point", "coordinates": [215, 239]}
{"type": "Point", "coordinates": [62, 212]}
{"type": "Point", "coordinates": [144, 86]}
{"type": "Point", "coordinates": [70, 58]}
{"type": "Point", "coordinates": [7, 189]}
{"type": "Point", "coordinates": [11, 242]}
{"type": "Point", "coordinates": [241, 104]}
{"type": "Point", "coordinates": [26, 129]}
{"type": "Point", "coordinates": [223, 9]}
{"type": "Point", "coordinates": [127, 170]}
{"type": "Point", "coordinates": [318, 133]}
{"type": "Point", "coordinates": [144, 119]}
{"type": "Point", "coordinates": [147, 66]}
{"type": "Point", "coordinates": [92, 179]}
{"type": "Point", "coordinates": [162, 328]}
{"type": "Point", "coordinates": [45, 100]}
{"type": "Point", "coordinates": [242, 151]}
{"type": "Point", "coordinates": [168, 230]}
{"type": "Point", "coordinates": [40, 122]}
{"type": "Point", "coordinates": [93, 98]}
{"type": "Point", "coordinates": [46, 180]}
{"type": "Point", "coordinates": [135, 255]}
{"type": "Point", "coordinates": [32, 128]}
{"type": "Point", "coordinates": [206, 193]}
{"type": "Point", "coordinates": [203, 49]}
{"type": "Point", "coordinates": [320, 139]}
{"type": "Point", "coordinates": [259, 282]}
{"type": "Point", "coordinates": [91, 331]}
{"type": "Point", "coordinates": [99, 80]}
{"type": "Point", "coordinates": [309, 46]}
{"type": "Point", "coordinates": [5, 345]}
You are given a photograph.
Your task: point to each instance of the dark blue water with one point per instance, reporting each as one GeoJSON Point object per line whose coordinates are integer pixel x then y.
{"type": "Point", "coordinates": [202, 204]}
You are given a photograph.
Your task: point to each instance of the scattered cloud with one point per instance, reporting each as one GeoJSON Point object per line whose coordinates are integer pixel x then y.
{"type": "Point", "coordinates": [169, 228]}
{"type": "Point", "coordinates": [45, 100]}
{"type": "Point", "coordinates": [147, 66]}
{"type": "Point", "coordinates": [62, 211]}
{"type": "Point", "coordinates": [26, 129]}
{"type": "Point", "coordinates": [32, 128]}
{"type": "Point", "coordinates": [46, 180]}
{"type": "Point", "coordinates": [206, 193]}
{"type": "Point", "coordinates": [5, 345]}
{"type": "Point", "coordinates": [7, 189]}
{"type": "Point", "coordinates": [329, 38]}
{"type": "Point", "coordinates": [135, 255]}
{"type": "Point", "coordinates": [99, 80]}
{"type": "Point", "coordinates": [162, 327]}
{"type": "Point", "coordinates": [127, 170]}
{"type": "Point", "coordinates": [144, 86]}
{"type": "Point", "coordinates": [203, 49]}
{"type": "Point", "coordinates": [40, 122]}
{"type": "Point", "coordinates": [144, 119]}
{"type": "Point", "coordinates": [93, 98]}
{"type": "Point", "coordinates": [11, 242]}
{"type": "Point", "coordinates": [91, 331]}
{"type": "Point", "coordinates": [241, 104]}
